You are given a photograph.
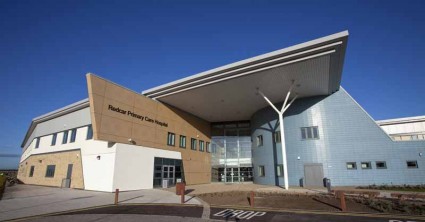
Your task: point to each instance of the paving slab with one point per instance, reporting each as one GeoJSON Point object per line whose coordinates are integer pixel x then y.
{"type": "Point", "coordinates": [28, 200]}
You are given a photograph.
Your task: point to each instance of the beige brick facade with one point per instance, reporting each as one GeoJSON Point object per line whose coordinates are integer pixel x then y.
{"type": "Point", "coordinates": [61, 161]}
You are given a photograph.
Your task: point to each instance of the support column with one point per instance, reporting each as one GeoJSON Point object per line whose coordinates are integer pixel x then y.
{"type": "Point", "coordinates": [285, 106]}
{"type": "Point", "coordinates": [282, 142]}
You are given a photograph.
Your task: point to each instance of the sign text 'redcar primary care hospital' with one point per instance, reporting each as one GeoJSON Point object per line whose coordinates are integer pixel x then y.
{"type": "Point", "coordinates": [137, 116]}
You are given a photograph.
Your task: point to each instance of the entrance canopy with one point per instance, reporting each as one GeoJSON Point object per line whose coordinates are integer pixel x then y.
{"type": "Point", "coordinates": [230, 92]}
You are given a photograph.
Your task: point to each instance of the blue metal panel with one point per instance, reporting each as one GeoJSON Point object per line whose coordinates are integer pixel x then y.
{"type": "Point", "coordinates": [347, 134]}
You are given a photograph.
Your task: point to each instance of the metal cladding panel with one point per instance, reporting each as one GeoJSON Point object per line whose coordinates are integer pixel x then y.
{"type": "Point", "coordinates": [237, 99]}
{"type": "Point", "coordinates": [346, 134]}
{"type": "Point", "coordinates": [69, 121]}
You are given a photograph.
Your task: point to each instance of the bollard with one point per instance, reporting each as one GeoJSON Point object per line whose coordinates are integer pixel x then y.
{"type": "Point", "coordinates": [117, 191]}
{"type": "Point", "coordinates": [251, 199]}
{"type": "Point", "coordinates": [342, 201]}
{"type": "Point", "coordinates": [182, 191]}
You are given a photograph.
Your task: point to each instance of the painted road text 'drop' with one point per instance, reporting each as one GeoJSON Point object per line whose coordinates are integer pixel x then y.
{"type": "Point", "coordinates": [239, 214]}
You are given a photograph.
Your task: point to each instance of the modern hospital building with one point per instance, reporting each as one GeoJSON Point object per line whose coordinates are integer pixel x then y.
{"type": "Point", "coordinates": [281, 118]}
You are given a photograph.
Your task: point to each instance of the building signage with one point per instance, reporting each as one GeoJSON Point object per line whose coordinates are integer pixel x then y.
{"type": "Point", "coordinates": [137, 116]}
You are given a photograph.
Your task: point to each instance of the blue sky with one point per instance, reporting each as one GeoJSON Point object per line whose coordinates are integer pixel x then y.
{"type": "Point", "coordinates": [47, 47]}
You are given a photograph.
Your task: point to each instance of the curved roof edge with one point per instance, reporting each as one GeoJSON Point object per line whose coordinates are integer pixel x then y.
{"type": "Point", "coordinates": [54, 114]}
{"type": "Point", "coordinates": [249, 62]}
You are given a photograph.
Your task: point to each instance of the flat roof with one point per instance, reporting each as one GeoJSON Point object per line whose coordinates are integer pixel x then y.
{"type": "Point", "coordinates": [316, 67]}
{"type": "Point", "coordinates": [401, 120]}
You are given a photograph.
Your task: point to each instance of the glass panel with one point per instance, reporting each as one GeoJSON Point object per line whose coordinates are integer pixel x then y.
{"type": "Point", "coordinates": [309, 133]}
{"type": "Point", "coordinates": [158, 160]}
{"type": "Point", "coordinates": [232, 132]}
{"type": "Point", "coordinates": [315, 133]}
{"type": "Point", "coordinates": [303, 133]}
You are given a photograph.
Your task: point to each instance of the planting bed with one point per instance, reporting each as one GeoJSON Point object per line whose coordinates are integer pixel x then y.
{"type": "Point", "coordinates": [322, 202]}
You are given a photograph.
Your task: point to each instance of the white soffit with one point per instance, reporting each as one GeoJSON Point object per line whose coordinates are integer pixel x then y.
{"type": "Point", "coordinates": [229, 93]}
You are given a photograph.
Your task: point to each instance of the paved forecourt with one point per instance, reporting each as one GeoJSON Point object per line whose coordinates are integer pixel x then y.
{"type": "Point", "coordinates": [27, 200]}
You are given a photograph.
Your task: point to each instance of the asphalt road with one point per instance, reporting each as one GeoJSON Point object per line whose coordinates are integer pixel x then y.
{"type": "Point", "coordinates": [148, 212]}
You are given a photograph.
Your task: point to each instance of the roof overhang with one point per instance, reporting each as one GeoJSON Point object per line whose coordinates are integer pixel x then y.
{"type": "Point", "coordinates": [229, 93]}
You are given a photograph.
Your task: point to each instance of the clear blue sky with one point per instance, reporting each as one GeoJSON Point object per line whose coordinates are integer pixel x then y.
{"type": "Point", "coordinates": [47, 47]}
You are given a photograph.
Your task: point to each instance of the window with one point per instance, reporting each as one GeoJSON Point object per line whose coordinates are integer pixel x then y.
{"type": "Point", "coordinates": [50, 170]}
{"type": "Point", "coordinates": [259, 140]}
{"type": "Point", "coordinates": [182, 141]}
{"type": "Point", "coordinates": [31, 171]}
{"type": "Point", "coordinates": [65, 137]}
{"type": "Point", "coordinates": [89, 133]}
{"type": "Point", "coordinates": [171, 139]}
{"type": "Point", "coordinates": [366, 165]}
{"type": "Point", "coordinates": [37, 142]}
{"type": "Point", "coordinates": [381, 165]}
{"type": "Point", "coordinates": [412, 164]}
{"type": "Point", "coordinates": [277, 137]}
{"type": "Point", "coordinates": [261, 171]}
{"type": "Point", "coordinates": [208, 147]}
{"type": "Point", "coordinates": [279, 170]}
{"type": "Point", "coordinates": [201, 146]}
{"type": "Point", "coordinates": [351, 166]}
{"type": "Point", "coordinates": [193, 144]}
{"type": "Point", "coordinates": [308, 133]}
{"type": "Point", "coordinates": [54, 139]}
{"type": "Point", "coordinates": [73, 135]}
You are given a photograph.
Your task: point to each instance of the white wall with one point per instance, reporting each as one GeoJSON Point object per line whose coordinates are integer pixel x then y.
{"type": "Point", "coordinates": [98, 173]}
{"type": "Point", "coordinates": [134, 166]}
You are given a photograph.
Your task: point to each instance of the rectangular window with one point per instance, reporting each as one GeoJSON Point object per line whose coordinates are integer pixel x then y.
{"type": "Point", "coordinates": [351, 166]}
{"type": "Point", "coordinates": [182, 142]}
{"type": "Point", "coordinates": [50, 170]}
{"type": "Point", "coordinates": [208, 147]}
{"type": "Point", "coordinates": [277, 137]}
{"type": "Point", "coordinates": [279, 170]}
{"type": "Point", "coordinates": [193, 144]}
{"type": "Point", "coordinates": [201, 146]}
{"type": "Point", "coordinates": [412, 164]}
{"type": "Point", "coordinates": [381, 165]}
{"type": "Point", "coordinates": [37, 142]}
{"type": "Point", "coordinates": [259, 140]}
{"type": "Point", "coordinates": [73, 135]}
{"type": "Point", "coordinates": [171, 139]}
{"type": "Point", "coordinates": [54, 139]}
{"type": "Point", "coordinates": [366, 165]}
{"type": "Point", "coordinates": [261, 171]}
{"type": "Point", "coordinates": [310, 133]}
{"type": "Point", "coordinates": [65, 137]}
{"type": "Point", "coordinates": [31, 171]}
{"type": "Point", "coordinates": [89, 135]}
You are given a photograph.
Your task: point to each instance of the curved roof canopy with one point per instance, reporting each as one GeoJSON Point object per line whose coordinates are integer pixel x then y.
{"type": "Point", "coordinates": [229, 93]}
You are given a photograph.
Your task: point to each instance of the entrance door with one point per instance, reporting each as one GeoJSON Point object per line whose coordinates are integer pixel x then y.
{"type": "Point", "coordinates": [168, 173]}
{"type": "Point", "coordinates": [69, 172]}
{"type": "Point", "coordinates": [232, 175]}
{"type": "Point", "coordinates": [313, 175]}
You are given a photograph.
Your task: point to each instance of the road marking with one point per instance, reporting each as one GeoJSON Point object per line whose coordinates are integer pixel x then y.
{"type": "Point", "coordinates": [355, 214]}
{"type": "Point", "coordinates": [239, 214]}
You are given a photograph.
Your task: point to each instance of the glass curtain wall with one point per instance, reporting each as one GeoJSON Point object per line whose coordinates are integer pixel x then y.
{"type": "Point", "coordinates": [231, 152]}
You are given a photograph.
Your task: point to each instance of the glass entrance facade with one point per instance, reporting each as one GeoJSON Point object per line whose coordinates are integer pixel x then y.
{"type": "Point", "coordinates": [231, 152]}
{"type": "Point", "coordinates": [167, 169]}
